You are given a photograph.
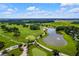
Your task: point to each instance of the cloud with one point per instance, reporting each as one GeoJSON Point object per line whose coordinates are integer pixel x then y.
{"type": "Point", "coordinates": [65, 11]}
{"type": "Point", "coordinates": [66, 4]}
{"type": "Point", "coordinates": [9, 11]}
{"type": "Point", "coordinates": [5, 9]}
{"type": "Point", "coordinates": [32, 8]}
{"type": "Point", "coordinates": [70, 5]}
{"type": "Point", "coordinates": [69, 8]}
{"type": "Point", "coordinates": [74, 10]}
{"type": "Point", "coordinates": [3, 6]}
{"type": "Point", "coordinates": [35, 12]}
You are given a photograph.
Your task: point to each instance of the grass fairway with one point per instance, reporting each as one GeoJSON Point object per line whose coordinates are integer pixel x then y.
{"type": "Point", "coordinates": [16, 52]}
{"type": "Point", "coordinates": [24, 32]}
{"type": "Point", "coordinates": [27, 34]}
{"type": "Point", "coordinates": [38, 51]}
{"type": "Point", "coordinates": [7, 42]}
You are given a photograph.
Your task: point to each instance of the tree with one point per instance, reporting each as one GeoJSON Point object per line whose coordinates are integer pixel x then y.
{"type": "Point", "coordinates": [77, 48]}
{"type": "Point", "coordinates": [77, 36]}
{"type": "Point", "coordinates": [20, 45]}
{"type": "Point", "coordinates": [3, 26]}
{"type": "Point", "coordinates": [16, 34]}
{"type": "Point", "coordinates": [4, 52]}
{"type": "Point", "coordinates": [15, 29]}
{"type": "Point", "coordinates": [12, 55]}
{"type": "Point", "coordinates": [41, 36]}
{"type": "Point", "coordinates": [34, 27]}
{"type": "Point", "coordinates": [60, 28]}
{"type": "Point", "coordinates": [1, 45]}
{"type": "Point", "coordinates": [24, 25]}
{"type": "Point", "coordinates": [56, 53]}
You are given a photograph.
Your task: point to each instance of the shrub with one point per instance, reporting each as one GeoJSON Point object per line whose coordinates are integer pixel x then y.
{"type": "Point", "coordinates": [34, 27]}
{"type": "Point", "coordinates": [1, 45]}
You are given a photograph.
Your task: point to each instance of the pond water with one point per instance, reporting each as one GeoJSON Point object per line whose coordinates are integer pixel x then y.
{"type": "Point", "coordinates": [54, 39]}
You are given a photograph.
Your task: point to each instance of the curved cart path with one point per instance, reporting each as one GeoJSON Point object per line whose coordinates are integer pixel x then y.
{"type": "Point", "coordinates": [9, 49]}
{"type": "Point", "coordinates": [24, 51]}
{"type": "Point", "coordinates": [61, 54]}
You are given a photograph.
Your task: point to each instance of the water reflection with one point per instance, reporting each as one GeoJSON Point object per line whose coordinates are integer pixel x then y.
{"type": "Point", "coordinates": [54, 39]}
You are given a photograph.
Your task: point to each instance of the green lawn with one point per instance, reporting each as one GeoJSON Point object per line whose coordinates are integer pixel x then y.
{"type": "Point", "coordinates": [69, 49]}
{"type": "Point", "coordinates": [25, 32]}
{"type": "Point", "coordinates": [38, 51]}
{"type": "Point", "coordinates": [16, 52]}
{"type": "Point", "coordinates": [7, 42]}
{"type": "Point", "coordinates": [60, 23]}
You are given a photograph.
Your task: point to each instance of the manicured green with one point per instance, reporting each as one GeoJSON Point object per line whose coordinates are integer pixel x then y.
{"type": "Point", "coordinates": [38, 51]}
{"type": "Point", "coordinates": [7, 42]}
{"type": "Point", "coordinates": [30, 37]}
{"type": "Point", "coordinates": [25, 32]}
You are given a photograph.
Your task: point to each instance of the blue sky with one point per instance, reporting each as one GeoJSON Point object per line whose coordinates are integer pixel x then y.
{"type": "Point", "coordinates": [39, 10]}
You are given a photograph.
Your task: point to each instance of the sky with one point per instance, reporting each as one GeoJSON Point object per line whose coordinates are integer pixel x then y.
{"type": "Point", "coordinates": [39, 10]}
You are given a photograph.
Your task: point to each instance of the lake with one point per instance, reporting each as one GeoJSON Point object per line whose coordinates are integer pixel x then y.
{"type": "Point", "coordinates": [54, 39]}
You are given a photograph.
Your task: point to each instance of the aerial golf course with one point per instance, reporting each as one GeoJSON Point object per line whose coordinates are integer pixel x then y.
{"type": "Point", "coordinates": [40, 39]}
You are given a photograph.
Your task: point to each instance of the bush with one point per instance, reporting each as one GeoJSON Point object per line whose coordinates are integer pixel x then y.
{"type": "Point", "coordinates": [34, 27]}
{"type": "Point", "coordinates": [1, 45]}
{"type": "Point", "coordinates": [60, 28]}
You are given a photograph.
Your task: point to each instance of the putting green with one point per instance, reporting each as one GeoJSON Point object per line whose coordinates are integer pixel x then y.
{"type": "Point", "coordinates": [38, 51]}
{"type": "Point", "coordinates": [30, 37]}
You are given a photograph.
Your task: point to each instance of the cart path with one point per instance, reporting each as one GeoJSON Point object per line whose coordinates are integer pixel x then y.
{"type": "Point", "coordinates": [9, 49]}
{"type": "Point", "coordinates": [24, 51]}
{"type": "Point", "coordinates": [61, 54]}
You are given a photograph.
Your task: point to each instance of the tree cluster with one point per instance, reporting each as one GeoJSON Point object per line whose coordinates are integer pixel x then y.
{"type": "Point", "coordinates": [70, 30]}
{"type": "Point", "coordinates": [1, 45]}
{"type": "Point", "coordinates": [11, 29]}
{"type": "Point", "coordinates": [35, 27]}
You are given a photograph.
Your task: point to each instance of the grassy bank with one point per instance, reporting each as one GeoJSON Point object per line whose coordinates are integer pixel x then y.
{"type": "Point", "coordinates": [15, 52]}
{"type": "Point", "coordinates": [38, 51]}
